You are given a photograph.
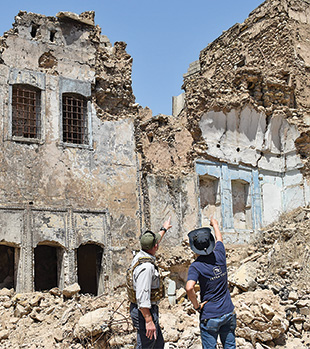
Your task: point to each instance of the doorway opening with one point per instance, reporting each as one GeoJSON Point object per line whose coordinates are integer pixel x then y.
{"type": "Point", "coordinates": [7, 262]}
{"type": "Point", "coordinates": [46, 267]}
{"type": "Point", "coordinates": [89, 258]}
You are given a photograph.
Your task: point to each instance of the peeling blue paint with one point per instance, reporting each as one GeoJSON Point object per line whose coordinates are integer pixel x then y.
{"type": "Point", "coordinates": [226, 173]}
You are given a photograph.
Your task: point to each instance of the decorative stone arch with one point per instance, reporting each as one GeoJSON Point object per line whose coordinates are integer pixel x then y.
{"type": "Point", "coordinates": [90, 267]}
{"type": "Point", "coordinates": [9, 262]}
{"type": "Point", "coordinates": [48, 265]}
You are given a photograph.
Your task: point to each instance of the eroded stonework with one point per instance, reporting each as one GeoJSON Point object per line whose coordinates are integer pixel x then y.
{"type": "Point", "coordinates": [85, 170]}
{"type": "Point", "coordinates": [57, 192]}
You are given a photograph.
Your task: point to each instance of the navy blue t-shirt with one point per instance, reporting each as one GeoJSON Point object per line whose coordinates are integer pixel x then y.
{"type": "Point", "coordinates": [211, 273]}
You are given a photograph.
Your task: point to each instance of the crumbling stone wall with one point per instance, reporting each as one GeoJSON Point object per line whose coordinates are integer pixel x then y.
{"type": "Point", "coordinates": [242, 122]}
{"type": "Point", "coordinates": [244, 111]}
{"type": "Point", "coordinates": [247, 102]}
{"type": "Point", "coordinates": [167, 180]}
{"type": "Point", "coordinates": [261, 62]}
{"type": "Point", "coordinates": [59, 193]}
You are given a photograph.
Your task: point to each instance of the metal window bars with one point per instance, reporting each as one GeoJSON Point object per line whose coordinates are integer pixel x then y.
{"type": "Point", "coordinates": [26, 111]}
{"type": "Point", "coordinates": [74, 119]}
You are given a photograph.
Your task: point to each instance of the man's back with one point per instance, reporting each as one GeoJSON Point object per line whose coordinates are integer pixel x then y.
{"type": "Point", "coordinates": [211, 273]}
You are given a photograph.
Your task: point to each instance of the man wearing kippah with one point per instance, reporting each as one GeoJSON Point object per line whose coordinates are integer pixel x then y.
{"type": "Point", "coordinates": [147, 290]}
{"type": "Point", "coordinates": [217, 316]}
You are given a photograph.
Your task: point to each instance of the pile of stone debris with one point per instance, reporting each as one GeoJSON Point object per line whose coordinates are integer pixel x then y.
{"type": "Point", "coordinates": [269, 281]}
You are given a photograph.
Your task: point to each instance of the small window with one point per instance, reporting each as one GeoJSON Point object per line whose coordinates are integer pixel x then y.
{"type": "Point", "coordinates": [209, 198]}
{"type": "Point", "coordinates": [241, 204]}
{"type": "Point", "coordinates": [74, 119]}
{"type": "Point", "coordinates": [26, 111]}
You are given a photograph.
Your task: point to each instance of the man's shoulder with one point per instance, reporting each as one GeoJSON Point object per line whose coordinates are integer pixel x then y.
{"type": "Point", "coordinates": [219, 246]}
{"type": "Point", "coordinates": [219, 251]}
{"type": "Point", "coordinates": [145, 267]}
{"type": "Point", "coordinates": [195, 264]}
{"type": "Point", "coordinates": [142, 259]}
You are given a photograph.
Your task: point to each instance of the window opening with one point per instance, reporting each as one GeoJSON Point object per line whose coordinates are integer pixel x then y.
{"type": "Point", "coordinates": [241, 205]}
{"type": "Point", "coordinates": [89, 258]}
{"type": "Point", "coordinates": [45, 273]}
{"type": "Point", "coordinates": [26, 111]}
{"type": "Point", "coordinates": [74, 118]}
{"type": "Point", "coordinates": [34, 29]}
{"type": "Point", "coordinates": [52, 35]}
{"type": "Point", "coordinates": [6, 267]}
{"type": "Point", "coordinates": [209, 199]}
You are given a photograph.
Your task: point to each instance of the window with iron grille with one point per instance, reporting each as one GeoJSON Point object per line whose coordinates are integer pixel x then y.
{"type": "Point", "coordinates": [74, 119]}
{"type": "Point", "coordinates": [26, 111]}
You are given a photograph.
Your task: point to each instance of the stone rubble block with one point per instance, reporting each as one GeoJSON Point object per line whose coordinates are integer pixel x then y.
{"type": "Point", "coordinates": [92, 323]}
{"type": "Point", "coordinates": [21, 311]}
{"type": "Point", "coordinates": [6, 292]}
{"type": "Point", "coordinates": [34, 302]}
{"type": "Point", "coordinates": [71, 290]}
{"type": "Point", "coordinates": [55, 291]}
{"type": "Point", "coordinates": [268, 311]}
{"type": "Point", "coordinates": [245, 277]}
{"type": "Point", "coordinates": [260, 316]}
{"type": "Point", "coordinates": [73, 16]}
{"type": "Point", "coordinates": [293, 296]}
{"type": "Point", "coordinates": [37, 316]}
{"type": "Point", "coordinates": [180, 294]}
{"type": "Point", "coordinates": [4, 334]}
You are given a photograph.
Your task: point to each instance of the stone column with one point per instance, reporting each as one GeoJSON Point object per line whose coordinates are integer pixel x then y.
{"type": "Point", "coordinates": [25, 274]}
{"type": "Point", "coordinates": [69, 258]}
{"type": "Point", "coordinates": [256, 201]}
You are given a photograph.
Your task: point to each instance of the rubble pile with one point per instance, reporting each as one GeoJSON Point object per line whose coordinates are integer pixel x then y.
{"type": "Point", "coordinates": [269, 282]}
{"type": "Point", "coordinates": [58, 319]}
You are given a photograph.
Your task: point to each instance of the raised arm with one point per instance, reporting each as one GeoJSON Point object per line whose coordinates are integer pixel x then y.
{"type": "Point", "coordinates": [166, 225]}
{"type": "Point", "coordinates": [217, 232]}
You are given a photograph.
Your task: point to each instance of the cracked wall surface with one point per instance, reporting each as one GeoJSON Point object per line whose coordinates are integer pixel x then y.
{"type": "Point", "coordinates": [53, 192]}
{"type": "Point", "coordinates": [245, 109]}
{"type": "Point", "coordinates": [236, 145]}
{"type": "Point", "coordinates": [248, 104]}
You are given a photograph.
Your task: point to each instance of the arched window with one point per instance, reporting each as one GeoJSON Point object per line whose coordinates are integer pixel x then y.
{"type": "Point", "coordinates": [74, 119]}
{"type": "Point", "coordinates": [26, 111]}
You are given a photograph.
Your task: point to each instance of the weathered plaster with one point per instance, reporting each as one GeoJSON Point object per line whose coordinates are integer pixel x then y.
{"type": "Point", "coordinates": [236, 146]}
{"type": "Point", "coordinates": [226, 175]}
{"type": "Point", "coordinates": [57, 194]}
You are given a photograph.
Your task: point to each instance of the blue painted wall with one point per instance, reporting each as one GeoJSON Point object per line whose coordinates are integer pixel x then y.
{"type": "Point", "coordinates": [226, 174]}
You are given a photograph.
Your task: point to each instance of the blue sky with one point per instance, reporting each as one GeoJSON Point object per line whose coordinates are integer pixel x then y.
{"type": "Point", "coordinates": [162, 36]}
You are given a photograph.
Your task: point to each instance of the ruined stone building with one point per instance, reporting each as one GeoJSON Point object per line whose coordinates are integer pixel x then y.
{"type": "Point", "coordinates": [68, 164]}
{"type": "Point", "coordinates": [84, 169]}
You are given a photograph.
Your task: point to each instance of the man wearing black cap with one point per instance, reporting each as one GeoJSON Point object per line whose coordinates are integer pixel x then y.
{"type": "Point", "coordinates": [217, 316]}
{"type": "Point", "coordinates": [147, 291]}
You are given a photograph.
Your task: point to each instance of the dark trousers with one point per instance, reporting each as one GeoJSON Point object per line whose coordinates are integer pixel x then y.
{"type": "Point", "coordinates": [139, 323]}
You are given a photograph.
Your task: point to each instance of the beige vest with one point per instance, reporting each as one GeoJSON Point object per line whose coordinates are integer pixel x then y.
{"type": "Point", "coordinates": [156, 293]}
